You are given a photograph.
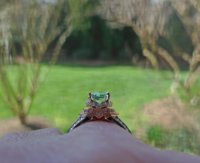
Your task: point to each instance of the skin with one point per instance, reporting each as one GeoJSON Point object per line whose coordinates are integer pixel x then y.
{"type": "Point", "coordinates": [92, 142]}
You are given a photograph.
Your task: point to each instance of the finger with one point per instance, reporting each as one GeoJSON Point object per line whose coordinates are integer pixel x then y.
{"type": "Point", "coordinates": [31, 135]}
{"type": "Point", "coordinates": [107, 142]}
{"type": "Point", "coordinates": [91, 142]}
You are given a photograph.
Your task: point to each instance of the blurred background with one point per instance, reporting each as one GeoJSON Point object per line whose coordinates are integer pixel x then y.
{"type": "Point", "coordinates": [146, 53]}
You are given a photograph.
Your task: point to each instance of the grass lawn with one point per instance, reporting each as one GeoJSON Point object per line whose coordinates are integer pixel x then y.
{"type": "Point", "coordinates": [65, 90]}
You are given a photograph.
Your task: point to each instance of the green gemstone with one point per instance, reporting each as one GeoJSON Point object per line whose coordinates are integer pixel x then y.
{"type": "Point", "coordinates": [99, 97]}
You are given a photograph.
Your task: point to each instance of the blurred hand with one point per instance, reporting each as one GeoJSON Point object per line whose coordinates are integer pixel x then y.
{"type": "Point", "coordinates": [92, 142]}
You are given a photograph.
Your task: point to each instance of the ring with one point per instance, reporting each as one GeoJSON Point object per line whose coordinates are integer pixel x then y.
{"type": "Point", "coordinates": [99, 109]}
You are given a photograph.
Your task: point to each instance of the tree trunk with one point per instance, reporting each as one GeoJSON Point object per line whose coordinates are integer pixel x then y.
{"type": "Point", "coordinates": [23, 119]}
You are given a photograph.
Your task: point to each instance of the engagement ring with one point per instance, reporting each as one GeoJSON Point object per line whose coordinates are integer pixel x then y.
{"type": "Point", "coordinates": [99, 109]}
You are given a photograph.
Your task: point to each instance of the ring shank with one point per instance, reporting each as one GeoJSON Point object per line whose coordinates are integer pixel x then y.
{"type": "Point", "coordinates": [115, 120]}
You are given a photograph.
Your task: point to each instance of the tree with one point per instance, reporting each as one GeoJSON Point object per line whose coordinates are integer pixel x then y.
{"type": "Point", "coordinates": [164, 38]}
{"type": "Point", "coordinates": [190, 15]}
{"type": "Point", "coordinates": [27, 29]}
{"type": "Point", "coordinates": [146, 18]}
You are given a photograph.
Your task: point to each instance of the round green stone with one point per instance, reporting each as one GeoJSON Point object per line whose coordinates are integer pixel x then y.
{"type": "Point", "coordinates": [99, 97]}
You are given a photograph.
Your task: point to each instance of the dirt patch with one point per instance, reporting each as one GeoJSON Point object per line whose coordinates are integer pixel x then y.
{"type": "Point", "coordinates": [171, 113]}
{"type": "Point", "coordinates": [13, 125]}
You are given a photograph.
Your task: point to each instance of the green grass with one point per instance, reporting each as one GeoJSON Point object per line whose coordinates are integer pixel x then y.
{"type": "Point", "coordinates": [65, 90]}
